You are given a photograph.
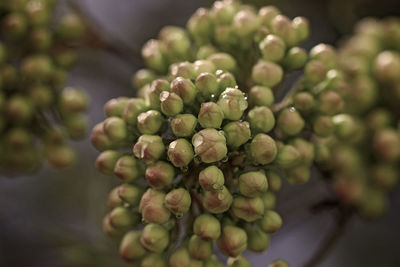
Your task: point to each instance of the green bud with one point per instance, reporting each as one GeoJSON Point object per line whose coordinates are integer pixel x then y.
{"type": "Point", "coordinates": [76, 125]}
{"type": "Point", "coordinates": [14, 26]}
{"type": "Point", "coordinates": [279, 263]}
{"type": "Point", "coordinates": [65, 57]}
{"type": "Point", "coordinates": [330, 103]}
{"type": "Point", "coordinates": [223, 61]}
{"type": "Point", "coordinates": [384, 176]}
{"type": "Point", "coordinates": [18, 138]}
{"type": "Point", "coordinates": [346, 158]}
{"type": "Point", "coordinates": [42, 96]}
{"type": "Point", "coordinates": [176, 41]}
{"type": "Point", "coordinates": [322, 153]}
{"type": "Point", "coordinates": [223, 12]}
{"type": "Point", "coordinates": [149, 122]}
{"type": "Point", "coordinates": [73, 101]}
{"type": "Point", "coordinates": [154, 238]}
{"type": "Point", "coordinates": [290, 121]}
{"type": "Point", "coordinates": [272, 48]}
{"type": "Point", "coordinates": [130, 194]}
{"type": "Point", "coordinates": [274, 181]}
{"type": "Point", "coordinates": [253, 184]}
{"type": "Point", "coordinates": [282, 26]}
{"type": "Point", "coordinates": [200, 249]}
{"type": "Point", "coordinates": [207, 84]}
{"type": "Point", "coordinates": [303, 101]}
{"type": "Point", "coordinates": [387, 66]}
{"type": "Point", "coordinates": [298, 174]}
{"type": "Point", "coordinates": [261, 96]}
{"type": "Point", "coordinates": [211, 178]}
{"type": "Point", "coordinates": [348, 187]}
{"type": "Point", "coordinates": [152, 207]}
{"type": "Point", "coordinates": [106, 161]}
{"type": "Point", "coordinates": [267, 73]}
{"type": "Point", "coordinates": [323, 126]}
{"type": "Point", "coordinates": [180, 258]}
{"type": "Point", "coordinates": [239, 261]}
{"type": "Point", "coordinates": [113, 199]}
{"type": "Point", "coordinates": [226, 80]}
{"type": "Point", "coordinates": [153, 57]}
{"type": "Point", "coordinates": [315, 72]}
{"type": "Point", "coordinates": [324, 53]}
{"type": "Point", "coordinates": [200, 25]}
{"type": "Point", "coordinates": [180, 152]}
{"type": "Point", "coordinates": [210, 115]}
{"type": "Point", "coordinates": [149, 148]}
{"type": "Point", "coordinates": [248, 209]}
{"type": "Point", "coordinates": [210, 145]}
{"type": "Point", "coordinates": [386, 145]}
{"type": "Point", "coordinates": [110, 230]}
{"type": "Point", "coordinates": [233, 103]}
{"type": "Point", "coordinates": [245, 23]}
{"type": "Point", "coordinates": [267, 14]}
{"type": "Point", "coordinates": [348, 128]}
{"type": "Point", "coordinates": [237, 133]}
{"type": "Point", "coordinates": [302, 28]}
{"type": "Point", "coordinates": [116, 129]}
{"type": "Point", "coordinates": [305, 148]}
{"type": "Point", "coordinates": [261, 33]}
{"type": "Point", "coordinates": [288, 157]}
{"type": "Point", "coordinates": [121, 217]}
{"type": "Point", "coordinates": [203, 66]}
{"type": "Point", "coordinates": [205, 51]}
{"type": "Point", "coordinates": [153, 96]}
{"type": "Point", "coordinates": [261, 119]}
{"type": "Point", "coordinates": [130, 248]}
{"type": "Point", "coordinates": [171, 103]}
{"type": "Point", "coordinates": [373, 204]}
{"type": "Point", "coordinates": [19, 108]}
{"type": "Point", "coordinates": [185, 89]}
{"type": "Point", "coordinates": [183, 125]}
{"type": "Point", "coordinates": [295, 58]}
{"type": "Point", "coordinates": [154, 260]}
{"type": "Point", "coordinates": [269, 200]}
{"type": "Point", "coordinates": [207, 227]}
{"type": "Point", "coordinates": [213, 262]}
{"type": "Point", "coordinates": [40, 39]}
{"type": "Point", "coordinates": [115, 106]}
{"type": "Point", "coordinates": [378, 119]}
{"type": "Point", "coordinates": [71, 28]}
{"type": "Point", "coordinates": [217, 202]}
{"type": "Point", "coordinates": [233, 241]}
{"type": "Point", "coordinates": [196, 263]}
{"type": "Point", "coordinates": [178, 201]}
{"type": "Point", "coordinates": [36, 68]}
{"type": "Point", "coordinates": [263, 149]}
{"type": "Point", "coordinates": [258, 240]}
{"type": "Point", "coordinates": [143, 77]}
{"type": "Point", "coordinates": [99, 139]}
{"type": "Point", "coordinates": [160, 174]}
{"type": "Point", "coordinates": [271, 222]}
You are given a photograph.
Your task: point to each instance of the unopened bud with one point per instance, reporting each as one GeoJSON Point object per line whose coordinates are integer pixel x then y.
{"type": "Point", "coordinates": [323, 126]}
{"type": "Point", "coordinates": [272, 48]}
{"type": "Point", "coordinates": [211, 178]}
{"type": "Point", "coordinates": [160, 174]}
{"type": "Point", "coordinates": [149, 122]}
{"type": "Point", "coordinates": [384, 176]}
{"type": "Point", "coordinates": [261, 119]}
{"type": "Point", "coordinates": [288, 157]}
{"type": "Point", "coordinates": [143, 77]}
{"type": "Point", "coordinates": [152, 98]}
{"type": "Point", "coordinates": [130, 248]}
{"type": "Point", "coordinates": [121, 217]}
{"type": "Point", "coordinates": [154, 260]}
{"type": "Point", "coordinates": [386, 144]}
{"type": "Point", "coordinates": [226, 80]}
{"type": "Point", "coordinates": [263, 149]}
{"type": "Point", "coordinates": [305, 148]}
{"type": "Point", "coordinates": [267, 14]}
{"type": "Point", "coordinates": [290, 121]}
{"type": "Point", "coordinates": [60, 156]}
{"type": "Point", "coordinates": [178, 201]}
{"type": "Point", "coordinates": [303, 101]}
{"type": "Point", "coordinates": [283, 27]}
{"type": "Point", "coordinates": [233, 241]}
{"type": "Point", "coordinates": [298, 174]}
{"type": "Point", "coordinates": [330, 103]}
{"type": "Point", "coordinates": [153, 57]}
{"type": "Point", "coordinates": [180, 258]}
{"type": "Point", "coordinates": [271, 222]}
{"type": "Point", "coordinates": [237, 133]}
{"type": "Point", "coordinates": [207, 227]}
{"type": "Point", "coordinates": [258, 240]}
{"type": "Point", "coordinates": [295, 58]}
{"type": "Point", "coordinates": [217, 202]}
{"type": "Point", "coordinates": [185, 89]}
{"type": "Point", "coordinates": [180, 152]}
{"type": "Point", "coordinates": [133, 108]}
{"type": "Point", "coordinates": [302, 28]}
{"type": "Point", "coordinates": [233, 103]}
{"type": "Point", "coordinates": [253, 184]}
{"type": "Point", "coordinates": [152, 207]}
{"type": "Point", "coordinates": [261, 96]}
{"type": "Point", "coordinates": [210, 145]}
{"type": "Point", "coordinates": [387, 66]}
{"type": "Point", "coordinates": [210, 115]}
{"type": "Point", "coordinates": [171, 103]}
{"type": "Point", "coordinates": [183, 125]}
{"type": "Point", "coordinates": [184, 70]}
{"type": "Point", "coordinates": [274, 181]}
{"type": "Point", "coordinates": [204, 66]}
{"type": "Point", "coordinates": [130, 194]}
{"type": "Point", "coordinates": [200, 249]}
{"type": "Point", "coordinates": [106, 161]}
{"type": "Point", "coordinates": [154, 238]}
{"type": "Point", "coordinates": [267, 73]}
{"type": "Point", "coordinates": [248, 209]}
{"type": "Point", "coordinates": [116, 129]}
{"type": "Point", "coordinates": [223, 61]}
{"type": "Point", "coordinates": [239, 261]}
{"type": "Point", "coordinates": [127, 169]}
{"type": "Point", "coordinates": [325, 54]}
{"type": "Point", "coordinates": [207, 84]}
{"type": "Point", "coordinates": [149, 148]}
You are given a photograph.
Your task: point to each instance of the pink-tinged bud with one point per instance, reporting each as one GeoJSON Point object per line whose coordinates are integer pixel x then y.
{"type": "Point", "coordinates": [180, 152]}
{"type": "Point", "coordinates": [106, 161]}
{"type": "Point", "coordinates": [207, 227]}
{"type": "Point", "coordinates": [143, 77]}
{"type": "Point", "coordinates": [210, 115]}
{"type": "Point", "coordinates": [207, 84]}
{"type": "Point", "coordinates": [160, 174]}
{"type": "Point", "coordinates": [152, 98]}
{"type": "Point", "coordinates": [305, 148]}
{"type": "Point", "coordinates": [154, 260]}
{"type": "Point", "coordinates": [330, 103]}
{"type": "Point", "coordinates": [232, 103]}
{"type": "Point", "coordinates": [183, 70]}
{"type": "Point", "coordinates": [154, 238]}
{"type": "Point", "coordinates": [130, 194]}
{"type": "Point", "coordinates": [323, 126]}
{"type": "Point", "coordinates": [217, 202]}
{"type": "Point", "coordinates": [116, 129]}
{"type": "Point", "coordinates": [113, 199]}
{"type": "Point", "coordinates": [386, 144]}
{"type": "Point", "coordinates": [132, 109]}
{"type": "Point", "coordinates": [326, 54]}
{"type": "Point", "coordinates": [130, 248]}
{"type": "Point", "coordinates": [183, 125]}
{"type": "Point", "coordinates": [272, 48]}
{"type": "Point", "coordinates": [185, 89]}
{"type": "Point", "coordinates": [283, 27]}
{"type": "Point", "coordinates": [233, 241]}
{"type": "Point", "coordinates": [99, 139]}
{"type": "Point", "coordinates": [253, 184]}
{"type": "Point", "coordinates": [149, 148]}
{"type": "Point", "coordinates": [245, 23]}
{"type": "Point", "coordinates": [271, 222]}
{"type": "Point", "coordinates": [267, 14]}
{"type": "Point", "coordinates": [152, 207]}
{"type": "Point", "coordinates": [223, 61]}
{"type": "Point", "coordinates": [153, 57]}
{"type": "Point", "coordinates": [303, 101]}
{"type": "Point", "coordinates": [178, 201]}
{"type": "Point", "coordinates": [200, 249]}
{"type": "Point", "coordinates": [127, 169]}
{"type": "Point", "coordinates": [121, 217]}
{"type": "Point", "coordinates": [211, 178]}
{"type": "Point", "coordinates": [115, 106]}
{"type": "Point", "coordinates": [239, 261]}
{"type": "Point", "coordinates": [210, 145]}
{"type": "Point", "coordinates": [263, 149]}
{"type": "Point", "coordinates": [248, 209]}
{"type": "Point", "coordinates": [171, 103]}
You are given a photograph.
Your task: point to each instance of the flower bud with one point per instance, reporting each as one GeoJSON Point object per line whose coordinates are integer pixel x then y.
{"type": "Point", "coordinates": [279, 263]}
{"type": "Point", "coordinates": [171, 103]}
{"type": "Point", "coordinates": [200, 249]}
{"type": "Point", "coordinates": [298, 174]}
{"type": "Point", "coordinates": [237, 133]}
{"type": "Point", "coordinates": [267, 14]}
{"type": "Point", "coordinates": [207, 84]}
{"type": "Point", "coordinates": [115, 106]}
{"type": "Point", "coordinates": [37, 68]}
{"type": "Point", "coordinates": [373, 204]}
{"type": "Point", "coordinates": [154, 238]}
{"type": "Point", "coordinates": [272, 48]}
{"type": "Point", "coordinates": [303, 101]}
{"type": "Point", "coordinates": [14, 26]}
{"type": "Point", "coordinates": [152, 207]}
{"type": "Point", "coordinates": [149, 122]}
{"type": "Point", "coordinates": [200, 25]}
{"type": "Point", "coordinates": [290, 121]}
{"type": "Point", "coordinates": [133, 107]}
{"type": "Point", "coordinates": [154, 260]}
{"type": "Point", "coordinates": [348, 128]}
{"type": "Point", "coordinates": [226, 80]}
{"type": "Point", "coordinates": [19, 108]}
{"type": "Point", "coordinates": [185, 89]}
{"type": "Point", "coordinates": [209, 145]}
{"type": "Point", "coordinates": [233, 241]}
{"type": "Point", "coordinates": [261, 96]}
{"type": "Point", "coordinates": [248, 209]}
{"type": "Point", "coordinates": [305, 148]}
{"type": "Point", "coordinates": [267, 73]}
{"type": "Point", "coordinates": [274, 181]}
{"type": "Point", "coordinates": [239, 261]}
{"type": "Point", "coordinates": [116, 129]}
{"type": "Point", "coordinates": [127, 169]}
{"type": "Point", "coordinates": [18, 138]}
{"type": "Point", "coordinates": [378, 119]}
{"type": "Point", "coordinates": [153, 57]}
{"type": "Point", "coordinates": [113, 199]}
{"type": "Point", "coordinates": [233, 103]}
{"type": "Point", "coordinates": [384, 176]}
{"type": "Point", "coordinates": [153, 96]}
{"type": "Point", "coordinates": [269, 200]}
{"type": "Point", "coordinates": [211, 178]}
{"type": "Point", "coordinates": [180, 258]}
{"type": "Point", "coordinates": [386, 144]}
{"type": "Point", "coordinates": [295, 58]}
{"type": "Point", "coordinates": [203, 66]}
{"type": "Point", "coordinates": [282, 26]}
{"type": "Point", "coordinates": [160, 174]}
{"type": "Point", "coordinates": [205, 51]}
{"type": "Point", "coordinates": [207, 227]}
{"type": "Point", "coordinates": [217, 202]}
{"type": "Point", "coordinates": [387, 66]}
{"type": "Point", "coordinates": [130, 194]}
{"type": "Point", "coordinates": [41, 95]}
{"type": "Point", "coordinates": [302, 28]}
{"type": "Point", "coordinates": [143, 77]}
{"type": "Point", "coordinates": [288, 157]}
{"type": "Point", "coordinates": [322, 153]}
{"type": "Point", "coordinates": [149, 148]}
{"type": "Point", "coordinates": [330, 103]}
{"type": "Point", "coordinates": [178, 201]}
{"type": "Point", "coordinates": [183, 125]}
{"type": "Point", "coordinates": [325, 54]}
{"type": "Point", "coordinates": [180, 152]}
{"type": "Point", "coordinates": [263, 149]}
{"type": "Point", "coordinates": [253, 184]}
{"type": "Point", "coordinates": [323, 126]}
{"type": "Point", "coordinates": [245, 23]}
{"type": "Point", "coordinates": [130, 248]}
{"type": "Point", "coordinates": [258, 240]}
{"type": "Point", "coordinates": [270, 222]}
{"type": "Point", "coordinates": [315, 72]}
{"type": "Point", "coordinates": [212, 262]}
{"type": "Point", "coordinates": [210, 115]}
{"type": "Point", "coordinates": [184, 70]}
{"type": "Point", "coordinates": [110, 230]}
{"type": "Point", "coordinates": [106, 161]}
{"type": "Point", "coordinates": [121, 217]}
{"type": "Point", "coordinates": [61, 156]}
{"type": "Point", "coordinates": [261, 119]}
{"type": "Point", "coordinates": [223, 61]}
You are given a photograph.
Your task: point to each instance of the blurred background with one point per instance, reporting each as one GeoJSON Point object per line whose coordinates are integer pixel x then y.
{"type": "Point", "coordinates": [53, 218]}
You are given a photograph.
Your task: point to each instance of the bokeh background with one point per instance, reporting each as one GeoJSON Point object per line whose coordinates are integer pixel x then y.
{"type": "Point", "coordinates": [53, 219]}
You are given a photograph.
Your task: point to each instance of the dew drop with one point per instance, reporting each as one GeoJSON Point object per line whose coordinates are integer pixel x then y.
{"type": "Point", "coordinates": [212, 96]}
{"type": "Point", "coordinates": [292, 109]}
{"type": "Point", "coordinates": [198, 140]}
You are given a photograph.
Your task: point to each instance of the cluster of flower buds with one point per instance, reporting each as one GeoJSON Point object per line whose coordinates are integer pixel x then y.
{"type": "Point", "coordinates": [36, 117]}
{"type": "Point", "coordinates": [363, 153]}
{"type": "Point", "coordinates": [201, 150]}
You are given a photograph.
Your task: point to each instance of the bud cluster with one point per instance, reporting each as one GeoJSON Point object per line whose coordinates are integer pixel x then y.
{"type": "Point", "coordinates": [36, 117]}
